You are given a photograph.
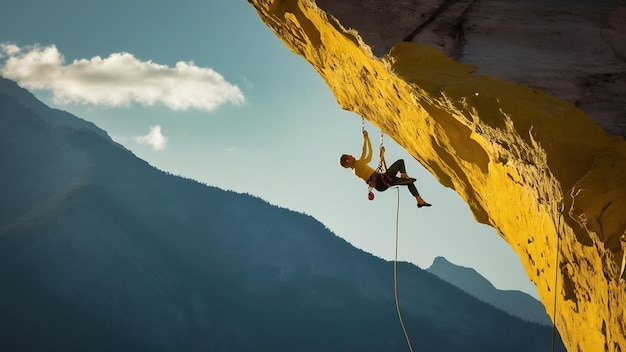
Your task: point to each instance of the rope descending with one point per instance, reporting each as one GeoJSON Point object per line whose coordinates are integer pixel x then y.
{"type": "Point", "coordinates": [395, 275]}
{"type": "Point", "coordinates": [382, 168]}
{"type": "Point", "coordinates": [556, 271]}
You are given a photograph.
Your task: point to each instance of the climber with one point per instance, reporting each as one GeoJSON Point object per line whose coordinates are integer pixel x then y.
{"type": "Point", "coordinates": [380, 180]}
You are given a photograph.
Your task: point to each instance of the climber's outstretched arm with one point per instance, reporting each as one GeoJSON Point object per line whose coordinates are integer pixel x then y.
{"type": "Point", "coordinates": [366, 152]}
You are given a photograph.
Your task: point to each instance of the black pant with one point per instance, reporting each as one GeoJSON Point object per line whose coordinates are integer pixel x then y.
{"type": "Point", "coordinates": [392, 171]}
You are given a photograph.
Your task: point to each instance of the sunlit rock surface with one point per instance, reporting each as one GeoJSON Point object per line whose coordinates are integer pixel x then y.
{"type": "Point", "coordinates": [575, 50]}
{"type": "Point", "coordinates": [516, 154]}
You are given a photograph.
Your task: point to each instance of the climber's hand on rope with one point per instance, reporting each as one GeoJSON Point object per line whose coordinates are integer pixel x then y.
{"type": "Point", "coordinates": [364, 133]}
{"type": "Point", "coordinates": [382, 150]}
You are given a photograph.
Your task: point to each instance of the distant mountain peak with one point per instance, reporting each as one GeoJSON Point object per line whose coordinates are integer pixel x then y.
{"type": "Point", "coordinates": [470, 275]}
{"type": "Point", "coordinates": [516, 303]}
{"type": "Point", "coordinates": [50, 115]}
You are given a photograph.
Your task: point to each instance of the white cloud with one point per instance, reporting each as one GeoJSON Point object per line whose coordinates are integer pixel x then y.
{"type": "Point", "coordinates": [117, 80]}
{"type": "Point", "coordinates": [154, 138]}
{"type": "Point", "coordinates": [8, 49]}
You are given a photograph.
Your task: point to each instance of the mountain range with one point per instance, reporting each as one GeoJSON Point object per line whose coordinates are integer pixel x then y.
{"type": "Point", "coordinates": [99, 251]}
{"type": "Point", "coordinates": [516, 303]}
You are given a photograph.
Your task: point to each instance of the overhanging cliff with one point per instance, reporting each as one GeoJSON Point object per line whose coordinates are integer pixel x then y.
{"type": "Point", "coordinates": [515, 154]}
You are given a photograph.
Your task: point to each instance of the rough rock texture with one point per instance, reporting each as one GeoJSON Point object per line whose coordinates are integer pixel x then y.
{"type": "Point", "coordinates": [575, 50]}
{"type": "Point", "coordinates": [516, 154]}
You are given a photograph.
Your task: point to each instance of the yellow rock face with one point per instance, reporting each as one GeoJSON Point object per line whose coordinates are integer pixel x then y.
{"type": "Point", "coordinates": [496, 143]}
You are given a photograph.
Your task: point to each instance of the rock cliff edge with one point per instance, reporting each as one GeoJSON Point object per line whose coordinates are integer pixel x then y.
{"type": "Point", "coordinates": [525, 155]}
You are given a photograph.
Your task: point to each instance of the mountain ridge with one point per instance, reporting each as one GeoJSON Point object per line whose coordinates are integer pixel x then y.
{"type": "Point", "coordinates": [54, 117]}
{"type": "Point", "coordinates": [107, 250]}
{"type": "Point", "coordinates": [515, 302]}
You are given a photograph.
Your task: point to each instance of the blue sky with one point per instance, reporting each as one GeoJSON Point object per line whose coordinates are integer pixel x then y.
{"type": "Point", "coordinates": [203, 89]}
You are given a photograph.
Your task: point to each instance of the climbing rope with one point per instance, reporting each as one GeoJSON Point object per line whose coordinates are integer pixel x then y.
{"type": "Point", "coordinates": [382, 164]}
{"type": "Point", "coordinates": [556, 272]}
{"type": "Point", "coordinates": [395, 274]}
{"type": "Point", "coordinates": [382, 168]}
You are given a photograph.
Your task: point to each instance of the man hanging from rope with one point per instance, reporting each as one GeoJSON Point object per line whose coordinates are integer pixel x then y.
{"type": "Point", "coordinates": [380, 179]}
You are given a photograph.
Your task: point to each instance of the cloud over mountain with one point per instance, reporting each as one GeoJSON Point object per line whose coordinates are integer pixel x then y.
{"type": "Point", "coordinates": [154, 138]}
{"type": "Point", "coordinates": [117, 80]}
